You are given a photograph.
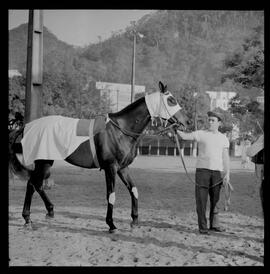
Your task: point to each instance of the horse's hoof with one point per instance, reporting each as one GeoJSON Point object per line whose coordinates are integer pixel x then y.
{"type": "Point", "coordinates": [28, 226]}
{"type": "Point", "coordinates": [112, 230]}
{"type": "Point", "coordinates": [134, 223]}
{"type": "Point", "coordinates": [50, 215]}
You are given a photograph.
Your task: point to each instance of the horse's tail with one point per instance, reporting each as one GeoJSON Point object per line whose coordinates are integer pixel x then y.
{"type": "Point", "coordinates": [15, 166]}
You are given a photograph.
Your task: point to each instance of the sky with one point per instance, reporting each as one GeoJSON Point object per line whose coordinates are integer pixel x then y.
{"type": "Point", "coordinates": [81, 27]}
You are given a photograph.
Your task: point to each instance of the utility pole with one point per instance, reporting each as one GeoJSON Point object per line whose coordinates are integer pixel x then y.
{"type": "Point", "coordinates": [133, 65]}
{"type": "Point", "coordinates": [195, 144]}
{"type": "Point", "coordinates": [135, 33]}
{"type": "Point", "coordinates": [34, 67]}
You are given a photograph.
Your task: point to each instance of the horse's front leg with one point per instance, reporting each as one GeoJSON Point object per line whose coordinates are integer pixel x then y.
{"type": "Point", "coordinates": [110, 173]}
{"type": "Point", "coordinates": [125, 177]}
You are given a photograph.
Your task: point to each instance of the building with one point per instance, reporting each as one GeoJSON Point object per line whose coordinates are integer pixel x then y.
{"type": "Point", "coordinates": [119, 94]}
{"type": "Point", "coordinates": [260, 100]}
{"type": "Point", "coordinates": [13, 72]}
{"type": "Point", "coordinates": [220, 99]}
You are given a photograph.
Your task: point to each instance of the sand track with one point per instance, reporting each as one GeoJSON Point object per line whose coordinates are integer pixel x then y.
{"type": "Point", "coordinates": [78, 236]}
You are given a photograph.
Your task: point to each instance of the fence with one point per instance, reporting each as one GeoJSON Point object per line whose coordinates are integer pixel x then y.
{"type": "Point", "coordinates": [159, 145]}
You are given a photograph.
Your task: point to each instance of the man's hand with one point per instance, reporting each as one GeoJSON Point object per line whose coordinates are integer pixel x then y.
{"type": "Point", "coordinates": [175, 126]}
{"type": "Point", "coordinates": [171, 135]}
{"type": "Point", "coordinates": [184, 135]}
{"type": "Point", "coordinates": [226, 179]}
{"type": "Point", "coordinates": [226, 182]}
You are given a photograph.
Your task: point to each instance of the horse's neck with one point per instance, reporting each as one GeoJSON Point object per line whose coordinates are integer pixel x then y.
{"type": "Point", "coordinates": [134, 118]}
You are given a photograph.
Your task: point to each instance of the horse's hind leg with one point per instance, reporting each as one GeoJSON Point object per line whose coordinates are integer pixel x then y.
{"type": "Point", "coordinates": [125, 177]}
{"type": "Point", "coordinates": [43, 169]}
{"type": "Point", "coordinates": [110, 183]}
{"type": "Point", "coordinates": [35, 182]}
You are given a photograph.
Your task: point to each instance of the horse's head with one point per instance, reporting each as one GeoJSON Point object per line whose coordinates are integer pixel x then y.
{"type": "Point", "coordinates": [162, 104]}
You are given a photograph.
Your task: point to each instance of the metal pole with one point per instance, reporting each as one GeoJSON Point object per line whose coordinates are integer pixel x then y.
{"type": "Point", "coordinates": [195, 125]}
{"type": "Point", "coordinates": [195, 122]}
{"type": "Point", "coordinates": [133, 67]}
{"type": "Point", "coordinates": [33, 91]}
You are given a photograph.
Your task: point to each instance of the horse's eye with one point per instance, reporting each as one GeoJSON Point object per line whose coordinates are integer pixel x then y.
{"type": "Point", "coordinates": [171, 101]}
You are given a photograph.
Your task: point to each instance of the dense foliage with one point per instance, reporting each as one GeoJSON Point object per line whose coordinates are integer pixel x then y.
{"type": "Point", "coordinates": [246, 67]}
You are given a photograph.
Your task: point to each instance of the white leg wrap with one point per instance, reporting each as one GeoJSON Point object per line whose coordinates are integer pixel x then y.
{"type": "Point", "coordinates": [112, 198]}
{"type": "Point", "coordinates": [135, 192]}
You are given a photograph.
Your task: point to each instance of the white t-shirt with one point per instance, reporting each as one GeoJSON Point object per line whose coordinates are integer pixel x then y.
{"type": "Point", "coordinates": [211, 146]}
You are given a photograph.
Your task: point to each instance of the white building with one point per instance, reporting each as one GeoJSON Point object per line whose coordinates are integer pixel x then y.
{"type": "Point", "coordinates": [220, 99]}
{"type": "Point", "coordinates": [119, 94]}
{"type": "Point", "coordinates": [260, 100]}
{"type": "Point", "coordinates": [13, 72]}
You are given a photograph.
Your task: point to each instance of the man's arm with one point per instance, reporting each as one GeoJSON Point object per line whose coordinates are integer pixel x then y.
{"type": "Point", "coordinates": [226, 164]}
{"type": "Point", "coordinates": [185, 136]}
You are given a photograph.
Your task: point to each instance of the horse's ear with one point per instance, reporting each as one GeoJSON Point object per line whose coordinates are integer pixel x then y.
{"type": "Point", "coordinates": [165, 88]}
{"type": "Point", "coordinates": [161, 87]}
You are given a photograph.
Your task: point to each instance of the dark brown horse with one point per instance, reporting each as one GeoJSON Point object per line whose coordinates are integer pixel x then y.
{"type": "Point", "coordinates": [116, 147]}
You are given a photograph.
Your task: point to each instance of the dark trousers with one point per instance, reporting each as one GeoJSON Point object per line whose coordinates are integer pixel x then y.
{"type": "Point", "coordinates": [205, 178]}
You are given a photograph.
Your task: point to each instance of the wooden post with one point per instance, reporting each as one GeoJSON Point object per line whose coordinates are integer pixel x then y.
{"type": "Point", "coordinates": [133, 67]}
{"type": "Point", "coordinates": [158, 147]}
{"type": "Point", "coordinates": [34, 69]}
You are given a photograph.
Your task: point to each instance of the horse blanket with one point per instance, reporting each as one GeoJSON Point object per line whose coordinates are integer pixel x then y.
{"type": "Point", "coordinates": [56, 137]}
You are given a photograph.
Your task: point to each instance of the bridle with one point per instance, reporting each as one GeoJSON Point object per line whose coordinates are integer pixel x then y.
{"type": "Point", "coordinates": [135, 135]}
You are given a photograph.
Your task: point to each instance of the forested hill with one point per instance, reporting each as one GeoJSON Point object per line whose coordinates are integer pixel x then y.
{"type": "Point", "coordinates": [55, 52]}
{"type": "Point", "coordinates": [178, 47]}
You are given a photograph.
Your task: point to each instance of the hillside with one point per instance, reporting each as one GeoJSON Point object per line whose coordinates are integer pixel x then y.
{"type": "Point", "coordinates": [178, 47]}
{"type": "Point", "coordinates": [56, 52]}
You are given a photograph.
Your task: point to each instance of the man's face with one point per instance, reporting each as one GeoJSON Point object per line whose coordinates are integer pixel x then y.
{"type": "Point", "coordinates": [214, 123]}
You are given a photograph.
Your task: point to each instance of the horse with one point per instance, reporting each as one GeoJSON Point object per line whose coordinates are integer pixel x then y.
{"type": "Point", "coordinates": [116, 147]}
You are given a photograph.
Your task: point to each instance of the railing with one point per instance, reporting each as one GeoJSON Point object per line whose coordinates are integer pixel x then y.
{"type": "Point", "coordinates": [159, 145]}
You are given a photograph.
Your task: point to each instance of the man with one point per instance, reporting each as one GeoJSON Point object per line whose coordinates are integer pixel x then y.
{"type": "Point", "coordinates": [212, 159]}
{"type": "Point", "coordinates": [256, 151]}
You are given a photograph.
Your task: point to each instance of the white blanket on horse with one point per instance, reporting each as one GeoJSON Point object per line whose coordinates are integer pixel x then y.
{"type": "Point", "coordinates": [51, 137]}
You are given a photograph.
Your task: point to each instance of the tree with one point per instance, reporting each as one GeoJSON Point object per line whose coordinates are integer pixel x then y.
{"type": "Point", "coordinates": [238, 105]}
{"type": "Point", "coordinates": [16, 96]}
{"type": "Point", "coordinates": [247, 114]}
{"type": "Point", "coordinates": [246, 65]}
{"type": "Point", "coordinates": [194, 103]}
{"type": "Point", "coordinates": [139, 95]}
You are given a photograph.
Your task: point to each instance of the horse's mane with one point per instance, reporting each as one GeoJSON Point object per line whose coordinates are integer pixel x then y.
{"type": "Point", "coordinates": [129, 107]}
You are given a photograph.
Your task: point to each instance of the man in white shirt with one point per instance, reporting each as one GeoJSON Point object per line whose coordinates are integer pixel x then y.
{"type": "Point", "coordinates": [213, 158]}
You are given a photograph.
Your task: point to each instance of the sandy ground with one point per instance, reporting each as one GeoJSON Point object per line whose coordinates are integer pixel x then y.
{"type": "Point", "coordinates": [77, 237]}
{"type": "Point", "coordinates": [167, 234]}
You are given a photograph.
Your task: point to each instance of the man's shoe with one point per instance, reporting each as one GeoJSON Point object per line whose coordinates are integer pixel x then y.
{"type": "Point", "coordinates": [217, 229]}
{"type": "Point", "coordinates": [204, 231]}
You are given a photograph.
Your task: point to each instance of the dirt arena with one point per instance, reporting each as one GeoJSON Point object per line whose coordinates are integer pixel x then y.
{"type": "Point", "coordinates": [167, 234]}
